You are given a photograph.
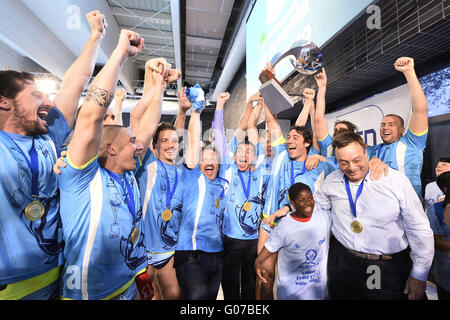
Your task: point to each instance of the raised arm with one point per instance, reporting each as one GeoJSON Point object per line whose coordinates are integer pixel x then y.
{"type": "Point", "coordinates": [302, 118]}
{"type": "Point", "coordinates": [157, 76]}
{"type": "Point", "coordinates": [192, 157]}
{"type": "Point", "coordinates": [312, 114]}
{"type": "Point", "coordinates": [79, 73]}
{"type": "Point", "coordinates": [309, 109]}
{"type": "Point", "coordinates": [218, 130]}
{"type": "Point", "coordinates": [272, 124]}
{"type": "Point", "coordinates": [184, 105]}
{"type": "Point", "coordinates": [252, 129]}
{"type": "Point", "coordinates": [321, 123]}
{"type": "Point", "coordinates": [242, 127]}
{"type": "Point", "coordinates": [418, 122]}
{"type": "Point", "coordinates": [119, 97]}
{"type": "Point", "coordinates": [86, 140]}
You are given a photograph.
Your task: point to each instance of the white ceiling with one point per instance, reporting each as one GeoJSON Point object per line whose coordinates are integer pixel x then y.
{"type": "Point", "coordinates": [46, 36]}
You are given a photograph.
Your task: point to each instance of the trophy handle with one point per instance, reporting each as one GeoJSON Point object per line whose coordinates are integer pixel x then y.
{"type": "Point", "coordinates": [294, 50]}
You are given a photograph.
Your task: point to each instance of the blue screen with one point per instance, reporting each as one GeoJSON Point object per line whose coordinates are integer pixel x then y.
{"type": "Point", "coordinates": [274, 25]}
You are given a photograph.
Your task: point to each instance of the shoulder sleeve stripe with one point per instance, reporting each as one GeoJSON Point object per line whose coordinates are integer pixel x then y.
{"type": "Point", "coordinates": [419, 134]}
{"type": "Point", "coordinates": [323, 138]}
{"type": "Point", "coordinates": [69, 161]}
{"type": "Point", "coordinates": [279, 141]}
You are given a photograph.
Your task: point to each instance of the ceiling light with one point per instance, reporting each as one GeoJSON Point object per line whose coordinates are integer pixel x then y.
{"type": "Point", "coordinates": [47, 85]}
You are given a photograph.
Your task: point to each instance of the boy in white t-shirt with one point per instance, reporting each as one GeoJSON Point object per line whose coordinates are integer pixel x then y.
{"type": "Point", "coordinates": [302, 241]}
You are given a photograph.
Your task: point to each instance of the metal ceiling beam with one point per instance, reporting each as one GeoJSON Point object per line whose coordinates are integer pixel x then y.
{"type": "Point", "coordinates": [145, 32]}
{"type": "Point", "coordinates": [72, 36]}
{"type": "Point", "coordinates": [203, 41]}
{"type": "Point", "coordinates": [176, 33]}
{"type": "Point", "coordinates": [24, 32]}
{"type": "Point", "coordinates": [143, 14]}
{"type": "Point", "coordinates": [147, 57]}
{"type": "Point", "coordinates": [152, 46]}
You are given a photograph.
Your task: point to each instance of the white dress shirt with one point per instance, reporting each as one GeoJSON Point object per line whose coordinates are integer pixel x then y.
{"type": "Point", "coordinates": [390, 212]}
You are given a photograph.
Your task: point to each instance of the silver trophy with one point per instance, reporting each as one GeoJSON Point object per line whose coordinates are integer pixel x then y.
{"type": "Point", "coordinates": [305, 57]}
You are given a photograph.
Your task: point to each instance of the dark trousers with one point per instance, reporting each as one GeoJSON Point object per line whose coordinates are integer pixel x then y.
{"type": "Point", "coordinates": [239, 275]}
{"type": "Point", "coordinates": [199, 275]}
{"type": "Point", "coordinates": [442, 293]}
{"type": "Point", "coordinates": [354, 278]}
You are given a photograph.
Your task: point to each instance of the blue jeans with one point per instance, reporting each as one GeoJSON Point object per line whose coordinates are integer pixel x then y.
{"type": "Point", "coordinates": [199, 275]}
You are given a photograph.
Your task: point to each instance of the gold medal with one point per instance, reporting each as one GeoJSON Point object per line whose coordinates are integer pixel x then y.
{"type": "Point", "coordinates": [166, 215]}
{"type": "Point", "coordinates": [356, 226]}
{"type": "Point", "coordinates": [35, 210]}
{"type": "Point", "coordinates": [217, 203]}
{"type": "Point", "coordinates": [247, 206]}
{"type": "Point", "coordinates": [135, 235]}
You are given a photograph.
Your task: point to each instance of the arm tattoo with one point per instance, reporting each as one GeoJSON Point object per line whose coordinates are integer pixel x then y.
{"type": "Point", "coordinates": [99, 96]}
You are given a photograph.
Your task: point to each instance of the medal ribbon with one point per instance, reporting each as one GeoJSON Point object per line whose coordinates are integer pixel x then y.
{"type": "Point", "coordinates": [379, 150]}
{"type": "Point", "coordinates": [170, 191]}
{"type": "Point", "coordinates": [298, 174]}
{"type": "Point", "coordinates": [223, 187]}
{"type": "Point", "coordinates": [358, 193]}
{"type": "Point", "coordinates": [33, 165]}
{"type": "Point", "coordinates": [246, 190]}
{"type": "Point", "coordinates": [127, 191]}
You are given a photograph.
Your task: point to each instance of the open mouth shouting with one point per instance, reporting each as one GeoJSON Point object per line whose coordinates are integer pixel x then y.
{"type": "Point", "coordinates": [42, 113]}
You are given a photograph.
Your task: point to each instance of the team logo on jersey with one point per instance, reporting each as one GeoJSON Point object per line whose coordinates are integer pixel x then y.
{"type": "Point", "coordinates": [169, 229]}
{"type": "Point", "coordinates": [46, 233]}
{"type": "Point", "coordinates": [248, 220]}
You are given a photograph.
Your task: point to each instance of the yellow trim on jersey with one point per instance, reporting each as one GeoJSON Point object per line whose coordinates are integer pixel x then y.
{"type": "Point", "coordinates": [323, 138]}
{"type": "Point", "coordinates": [119, 291]}
{"type": "Point", "coordinates": [125, 287]}
{"type": "Point", "coordinates": [20, 289]}
{"type": "Point", "coordinates": [418, 134]}
{"type": "Point", "coordinates": [170, 252]}
{"type": "Point", "coordinates": [279, 141]}
{"type": "Point", "coordinates": [84, 165]}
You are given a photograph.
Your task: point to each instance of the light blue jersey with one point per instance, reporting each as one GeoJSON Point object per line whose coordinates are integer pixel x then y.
{"type": "Point", "coordinates": [103, 254]}
{"type": "Point", "coordinates": [325, 146]}
{"type": "Point", "coordinates": [244, 187]}
{"type": "Point", "coordinates": [286, 172]}
{"type": "Point", "coordinates": [327, 151]}
{"type": "Point", "coordinates": [161, 235]}
{"type": "Point", "coordinates": [201, 223]}
{"type": "Point", "coordinates": [30, 248]}
{"type": "Point", "coordinates": [404, 155]}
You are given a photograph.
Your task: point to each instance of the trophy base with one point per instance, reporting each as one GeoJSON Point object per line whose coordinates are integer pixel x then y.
{"type": "Point", "coordinates": [275, 97]}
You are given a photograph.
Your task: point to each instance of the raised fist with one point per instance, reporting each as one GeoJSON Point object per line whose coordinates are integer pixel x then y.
{"type": "Point", "coordinates": [97, 22]}
{"type": "Point", "coordinates": [157, 64]}
{"type": "Point", "coordinates": [309, 93]}
{"type": "Point", "coordinates": [185, 104]}
{"type": "Point", "coordinates": [269, 67]}
{"type": "Point", "coordinates": [171, 76]}
{"type": "Point", "coordinates": [120, 94]}
{"type": "Point", "coordinates": [223, 97]}
{"type": "Point", "coordinates": [321, 79]}
{"type": "Point", "coordinates": [130, 43]}
{"type": "Point", "coordinates": [255, 97]}
{"type": "Point", "coordinates": [404, 64]}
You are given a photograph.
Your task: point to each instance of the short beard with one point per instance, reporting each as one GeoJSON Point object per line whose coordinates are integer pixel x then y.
{"type": "Point", "coordinates": [30, 127]}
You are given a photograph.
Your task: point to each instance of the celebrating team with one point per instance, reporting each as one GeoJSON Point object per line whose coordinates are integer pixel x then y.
{"type": "Point", "coordinates": [122, 206]}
